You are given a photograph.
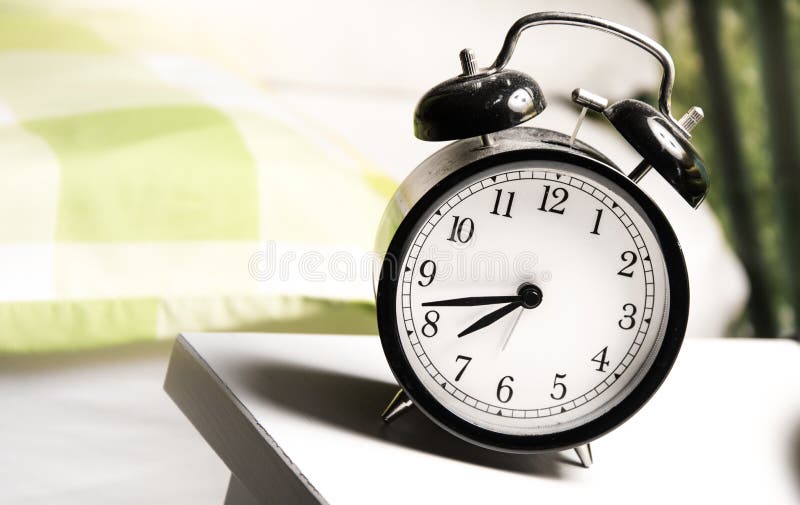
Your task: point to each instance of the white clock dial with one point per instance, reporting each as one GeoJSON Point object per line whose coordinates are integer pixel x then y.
{"type": "Point", "coordinates": [584, 298]}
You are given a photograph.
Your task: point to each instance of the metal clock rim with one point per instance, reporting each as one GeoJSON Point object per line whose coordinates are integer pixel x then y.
{"type": "Point", "coordinates": [653, 378]}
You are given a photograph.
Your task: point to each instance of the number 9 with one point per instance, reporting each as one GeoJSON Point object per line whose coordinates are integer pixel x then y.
{"type": "Point", "coordinates": [428, 273]}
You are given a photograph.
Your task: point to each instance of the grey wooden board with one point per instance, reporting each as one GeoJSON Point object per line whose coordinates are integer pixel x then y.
{"type": "Point", "coordinates": [238, 494]}
{"type": "Point", "coordinates": [295, 418]}
{"type": "Point", "coordinates": [231, 430]}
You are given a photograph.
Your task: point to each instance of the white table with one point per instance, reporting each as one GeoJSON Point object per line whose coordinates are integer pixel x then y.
{"type": "Point", "coordinates": [295, 418]}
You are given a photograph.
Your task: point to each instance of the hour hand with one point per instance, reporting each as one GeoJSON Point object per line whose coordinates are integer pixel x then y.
{"type": "Point", "coordinates": [472, 301]}
{"type": "Point", "coordinates": [491, 317]}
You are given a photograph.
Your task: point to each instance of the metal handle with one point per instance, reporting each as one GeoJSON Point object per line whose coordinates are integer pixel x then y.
{"type": "Point", "coordinates": [596, 23]}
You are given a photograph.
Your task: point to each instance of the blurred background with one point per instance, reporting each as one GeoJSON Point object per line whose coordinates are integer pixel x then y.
{"type": "Point", "coordinates": [739, 59]}
{"type": "Point", "coordinates": [200, 166]}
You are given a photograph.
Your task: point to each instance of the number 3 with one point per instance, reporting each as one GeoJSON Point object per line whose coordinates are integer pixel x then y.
{"type": "Point", "coordinates": [628, 321]}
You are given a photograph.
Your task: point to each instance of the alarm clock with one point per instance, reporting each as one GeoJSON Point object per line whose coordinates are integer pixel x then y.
{"type": "Point", "coordinates": [531, 297]}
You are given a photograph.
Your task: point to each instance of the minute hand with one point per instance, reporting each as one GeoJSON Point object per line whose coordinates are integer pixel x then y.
{"type": "Point", "coordinates": [473, 301]}
{"type": "Point", "coordinates": [491, 317]}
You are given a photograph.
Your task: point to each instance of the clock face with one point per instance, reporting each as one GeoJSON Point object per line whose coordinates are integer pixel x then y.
{"type": "Point", "coordinates": [533, 297]}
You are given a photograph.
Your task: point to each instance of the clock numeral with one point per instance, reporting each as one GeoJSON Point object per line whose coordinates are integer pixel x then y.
{"type": "Point", "coordinates": [497, 203]}
{"type": "Point", "coordinates": [467, 360]}
{"type": "Point", "coordinates": [600, 359]}
{"type": "Point", "coordinates": [428, 270]}
{"type": "Point", "coordinates": [595, 230]}
{"type": "Point", "coordinates": [429, 329]}
{"type": "Point", "coordinates": [504, 391]}
{"type": "Point", "coordinates": [627, 270]}
{"type": "Point", "coordinates": [562, 388]}
{"type": "Point", "coordinates": [559, 194]}
{"type": "Point", "coordinates": [462, 230]}
{"type": "Point", "coordinates": [628, 321]}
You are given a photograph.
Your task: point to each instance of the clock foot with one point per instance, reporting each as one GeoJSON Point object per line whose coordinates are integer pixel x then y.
{"type": "Point", "coordinates": [584, 453]}
{"type": "Point", "coordinates": [399, 404]}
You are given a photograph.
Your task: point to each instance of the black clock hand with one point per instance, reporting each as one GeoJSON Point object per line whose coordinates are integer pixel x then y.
{"type": "Point", "coordinates": [473, 300]}
{"type": "Point", "coordinates": [491, 317]}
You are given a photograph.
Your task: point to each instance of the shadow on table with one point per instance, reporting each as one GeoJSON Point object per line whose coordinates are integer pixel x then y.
{"type": "Point", "coordinates": [354, 403]}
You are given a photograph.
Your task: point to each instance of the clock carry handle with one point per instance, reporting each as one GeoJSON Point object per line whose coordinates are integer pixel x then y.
{"type": "Point", "coordinates": [483, 101]}
{"type": "Point", "coordinates": [663, 141]}
{"type": "Point", "coordinates": [595, 23]}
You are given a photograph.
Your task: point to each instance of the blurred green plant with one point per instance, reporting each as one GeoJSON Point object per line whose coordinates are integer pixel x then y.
{"type": "Point", "coordinates": [727, 61]}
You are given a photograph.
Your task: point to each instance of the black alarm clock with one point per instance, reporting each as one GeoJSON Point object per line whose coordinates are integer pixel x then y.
{"type": "Point", "coordinates": [531, 297]}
